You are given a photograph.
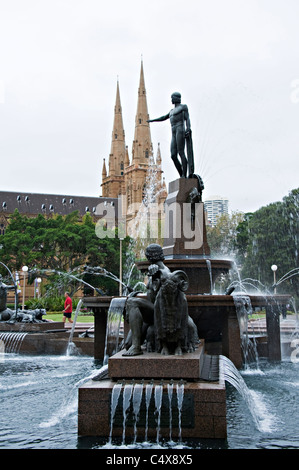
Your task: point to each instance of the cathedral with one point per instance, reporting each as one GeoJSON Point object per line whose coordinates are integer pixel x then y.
{"type": "Point", "coordinates": [138, 180]}
{"type": "Point", "coordinates": [125, 182]}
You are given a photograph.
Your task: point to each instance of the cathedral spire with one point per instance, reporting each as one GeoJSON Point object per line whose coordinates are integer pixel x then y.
{"type": "Point", "coordinates": [118, 145]}
{"type": "Point", "coordinates": [112, 183]}
{"type": "Point", "coordinates": [104, 170]}
{"type": "Point", "coordinates": [127, 159]}
{"type": "Point", "coordinates": [142, 144]}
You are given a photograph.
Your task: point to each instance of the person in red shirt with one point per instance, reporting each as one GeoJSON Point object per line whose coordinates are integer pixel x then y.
{"type": "Point", "coordinates": [68, 308]}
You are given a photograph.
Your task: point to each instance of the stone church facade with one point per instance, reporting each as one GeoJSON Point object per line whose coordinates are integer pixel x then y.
{"type": "Point", "coordinates": [138, 180]}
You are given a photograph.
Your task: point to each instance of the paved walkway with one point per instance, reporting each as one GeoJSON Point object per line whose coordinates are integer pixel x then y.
{"type": "Point", "coordinates": [287, 325]}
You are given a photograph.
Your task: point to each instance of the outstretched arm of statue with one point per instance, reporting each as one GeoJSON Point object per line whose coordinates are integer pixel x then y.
{"type": "Point", "coordinates": [162, 118]}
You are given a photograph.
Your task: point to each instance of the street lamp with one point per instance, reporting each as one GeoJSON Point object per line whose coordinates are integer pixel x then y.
{"type": "Point", "coordinates": [274, 269]}
{"type": "Point", "coordinates": [38, 284]}
{"type": "Point", "coordinates": [120, 266]}
{"type": "Point", "coordinates": [24, 269]}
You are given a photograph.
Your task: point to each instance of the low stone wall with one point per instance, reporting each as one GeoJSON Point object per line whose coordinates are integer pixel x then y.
{"type": "Point", "coordinates": [203, 412]}
{"type": "Point", "coordinates": [31, 327]}
{"type": "Point", "coordinates": [46, 338]}
{"type": "Point", "coordinates": [54, 343]}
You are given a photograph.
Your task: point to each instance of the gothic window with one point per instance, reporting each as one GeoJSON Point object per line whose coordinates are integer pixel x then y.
{"type": "Point", "coordinates": [115, 136]}
{"type": "Point", "coordinates": [146, 153]}
{"type": "Point", "coordinates": [122, 168]}
{"type": "Point", "coordinates": [2, 229]}
{"type": "Point", "coordinates": [140, 121]}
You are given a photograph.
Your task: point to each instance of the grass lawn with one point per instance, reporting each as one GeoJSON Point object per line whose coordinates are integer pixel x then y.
{"type": "Point", "coordinates": [58, 317]}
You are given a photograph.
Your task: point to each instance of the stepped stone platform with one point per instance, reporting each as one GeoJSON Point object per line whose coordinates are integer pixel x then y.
{"type": "Point", "coordinates": [155, 366]}
{"type": "Point", "coordinates": [203, 413]}
{"type": "Point", "coordinates": [31, 327]}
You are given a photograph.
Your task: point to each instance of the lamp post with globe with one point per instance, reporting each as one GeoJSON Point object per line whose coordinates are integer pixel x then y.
{"type": "Point", "coordinates": [274, 269]}
{"type": "Point", "coordinates": [24, 269]}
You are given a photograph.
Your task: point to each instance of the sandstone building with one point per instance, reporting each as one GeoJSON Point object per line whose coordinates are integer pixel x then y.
{"type": "Point", "coordinates": [138, 180]}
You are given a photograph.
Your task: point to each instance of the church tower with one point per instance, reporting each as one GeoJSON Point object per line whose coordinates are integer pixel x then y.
{"type": "Point", "coordinates": [113, 182]}
{"type": "Point", "coordinates": [137, 175]}
{"type": "Point", "coordinates": [131, 179]}
{"type": "Point", "coordinates": [142, 148]}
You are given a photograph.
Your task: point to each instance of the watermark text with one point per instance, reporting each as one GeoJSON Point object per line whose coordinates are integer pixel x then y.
{"type": "Point", "coordinates": [184, 221]}
{"type": "Point", "coordinates": [295, 352]}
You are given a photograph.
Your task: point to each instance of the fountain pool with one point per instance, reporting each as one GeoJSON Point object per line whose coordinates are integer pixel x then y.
{"type": "Point", "coordinates": [39, 399]}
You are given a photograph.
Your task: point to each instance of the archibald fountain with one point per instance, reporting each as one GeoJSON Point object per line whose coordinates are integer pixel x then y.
{"type": "Point", "coordinates": [169, 379]}
{"type": "Point", "coordinates": [182, 342]}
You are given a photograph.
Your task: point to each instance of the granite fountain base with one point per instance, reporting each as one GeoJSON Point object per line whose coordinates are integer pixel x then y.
{"type": "Point", "coordinates": [42, 338]}
{"type": "Point", "coordinates": [203, 412]}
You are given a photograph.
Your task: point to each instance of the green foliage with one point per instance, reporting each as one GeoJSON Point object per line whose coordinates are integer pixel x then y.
{"type": "Point", "coordinates": [260, 239]}
{"type": "Point", "coordinates": [242, 237]}
{"type": "Point", "coordinates": [61, 244]}
{"type": "Point", "coordinates": [222, 237]}
{"type": "Point", "coordinates": [273, 233]}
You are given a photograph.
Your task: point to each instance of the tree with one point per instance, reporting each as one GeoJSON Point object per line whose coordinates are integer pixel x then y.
{"type": "Point", "coordinates": [242, 237]}
{"type": "Point", "coordinates": [222, 237]}
{"type": "Point", "coordinates": [273, 239]}
{"type": "Point", "coordinates": [61, 244]}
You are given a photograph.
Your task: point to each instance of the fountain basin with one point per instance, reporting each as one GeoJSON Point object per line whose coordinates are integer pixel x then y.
{"type": "Point", "coordinates": [43, 338]}
{"type": "Point", "coordinates": [202, 272]}
{"type": "Point", "coordinates": [31, 327]}
{"type": "Point", "coordinates": [55, 344]}
{"type": "Point", "coordinates": [216, 319]}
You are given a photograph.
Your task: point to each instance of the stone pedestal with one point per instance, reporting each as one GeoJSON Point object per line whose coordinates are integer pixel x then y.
{"type": "Point", "coordinates": [185, 228]}
{"type": "Point", "coordinates": [185, 245]}
{"type": "Point", "coordinates": [203, 411]}
{"type": "Point", "coordinates": [100, 311]}
{"type": "Point", "coordinates": [156, 366]}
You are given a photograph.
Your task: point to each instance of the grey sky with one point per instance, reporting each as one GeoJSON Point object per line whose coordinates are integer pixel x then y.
{"type": "Point", "coordinates": [235, 62]}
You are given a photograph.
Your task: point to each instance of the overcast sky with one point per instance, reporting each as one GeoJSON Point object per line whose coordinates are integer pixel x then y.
{"type": "Point", "coordinates": [235, 62]}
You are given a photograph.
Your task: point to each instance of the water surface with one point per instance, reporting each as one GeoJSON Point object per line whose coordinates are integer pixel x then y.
{"type": "Point", "coordinates": [39, 405]}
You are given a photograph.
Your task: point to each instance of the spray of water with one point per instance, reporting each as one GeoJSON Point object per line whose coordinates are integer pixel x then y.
{"type": "Point", "coordinates": [263, 419]}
